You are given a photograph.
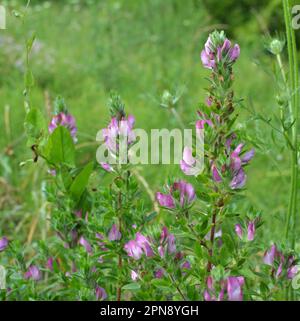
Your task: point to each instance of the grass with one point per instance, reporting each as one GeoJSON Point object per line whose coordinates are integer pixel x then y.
{"type": "Point", "coordinates": [139, 49]}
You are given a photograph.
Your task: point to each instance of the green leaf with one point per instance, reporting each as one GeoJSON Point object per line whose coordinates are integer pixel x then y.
{"type": "Point", "coordinates": [29, 42]}
{"type": "Point", "coordinates": [150, 217]}
{"type": "Point", "coordinates": [131, 286]}
{"type": "Point", "coordinates": [60, 147]}
{"type": "Point", "coordinates": [80, 182]}
{"type": "Point", "coordinates": [35, 125]}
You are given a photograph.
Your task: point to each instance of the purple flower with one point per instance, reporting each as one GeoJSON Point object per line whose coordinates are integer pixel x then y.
{"type": "Point", "coordinates": [239, 177]}
{"type": "Point", "coordinates": [3, 243]}
{"type": "Point", "coordinates": [238, 180]}
{"type": "Point", "coordinates": [218, 50]}
{"type": "Point", "coordinates": [215, 174]}
{"type": "Point", "coordinates": [292, 272]}
{"type": "Point", "coordinates": [234, 53]}
{"type": "Point", "coordinates": [133, 249]}
{"type": "Point", "coordinates": [159, 273]}
{"type": "Point", "coordinates": [269, 256]}
{"type": "Point", "coordinates": [106, 167]}
{"type": "Point", "coordinates": [186, 190]}
{"type": "Point", "coordinates": [208, 101]}
{"type": "Point", "coordinates": [234, 288]}
{"type": "Point", "coordinates": [85, 244]}
{"type": "Point", "coordinates": [188, 160]}
{"type": "Point", "coordinates": [117, 129]}
{"type": "Point", "coordinates": [134, 275]}
{"type": "Point", "coordinates": [186, 195]}
{"type": "Point", "coordinates": [207, 296]}
{"type": "Point", "coordinates": [186, 265]}
{"type": "Point", "coordinates": [239, 230]}
{"type": "Point", "coordinates": [166, 240]}
{"type": "Point", "coordinates": [251, 231]}
{"type": "Point", "coordinates": [33, 273]}
{"type": "Point", "coordinates": [165, 200]}
{"type": "Point", "coordinates": [114, 234]}
{"type": "Point", "coordinates": [210, 293]}
{"type": "Point", "coordinates": [144, 244]}
{"type": "Point", "coordinates": [65, 120]}
{"type": "Point", "coordinates": [248, 156]}
{"type": "Point", "coordinates": [49, 263]}
{"type": "Point", "coordinates": [100, 293]}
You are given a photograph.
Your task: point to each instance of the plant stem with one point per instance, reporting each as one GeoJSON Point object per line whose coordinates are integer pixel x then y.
{"type": "Point", "coordinates": [177, 287]}
{"type": "Point", "coordinates": [119, 289]}
{"type": "Point", "coordinates": [212, 238]}
{"type": "Point", "coordinates": [293, 83]}
{"type": "Point", "coordinates": [178, 118]}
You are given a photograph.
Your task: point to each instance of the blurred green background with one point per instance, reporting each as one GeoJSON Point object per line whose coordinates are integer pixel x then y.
{"type": "Point", "coordinates": [85, 49]}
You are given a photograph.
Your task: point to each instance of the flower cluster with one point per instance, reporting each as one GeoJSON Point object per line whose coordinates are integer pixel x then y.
{"type": "Point", "coordinates": [141, 244]}
{"type": "Point", "coordinates": [118, 136]}
{"type": "Point", "coordinates": [232, 286]}
{"type": "Point", "coordinates": [66, 120]}
{"type": "Point", "coordinates": [218, 51]}
{"type": "Point", "coordinates": [250, 231]}
{"type": "Point", "coordinates": [181, 194]}
{"type": "Point", "coordinates": [276, 259]}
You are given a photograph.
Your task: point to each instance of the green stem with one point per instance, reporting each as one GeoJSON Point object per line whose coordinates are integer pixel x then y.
{"type": "Point", "coordinates": [293, 83]}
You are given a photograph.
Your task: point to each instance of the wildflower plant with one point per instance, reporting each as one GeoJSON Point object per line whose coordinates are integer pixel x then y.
{"type": "Point", "coordinates": [105, 244]}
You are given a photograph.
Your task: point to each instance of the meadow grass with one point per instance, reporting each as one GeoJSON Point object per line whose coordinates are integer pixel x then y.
{"type": "Point", "coordinates": [139, 49]}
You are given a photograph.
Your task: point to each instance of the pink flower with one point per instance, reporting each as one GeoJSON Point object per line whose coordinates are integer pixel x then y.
{"type": "Point", "coordinates": [114, 234]}
{"type": "Point", "coordinates": [186, 195]}
{"type": "Point", "coordinates": [186, 190]}
{"type": "Point", "coordinates": [218, 50]}
{"type": "Point", "coordinates": [167, 241]}
{"type": "Point", "coordinates": [239, 230]}
{"type": "Point", "coordinates": [159, 273]}
{"type": "Point", "coordinates": [3, 243]}
{"type": "Point", "coordinates": [134, 275]}
{"type": "Point", "coordinates": [186, 265]}
{"type": "Point", "coordinates": [251, 231]}
{"type": "Point", "coordinates": [100, 293]}
{"type": "Point", "coordinates": [269, 256]}
{"type": "Point", "coordinates": [236, 163]}
{"type": "Point", "coordinates": [65, 120]}
{"type": "Point", "coordinates": [33, 273]}
{"type": "Point", "coordinates": [292, 272]}
{"type": "Point", "coordinates": [165, 200]}
{"type": "Point", "coordinates": [106, 167]}
{"type": "Point", "coordinates": [235, 288]}
{"type": "Point", "coordinates": [117, 129]}
{"type": "Point", "coordinates": [50, 263]}
{"type": "Point", "coordinates": [85, 244]}
{"type": "Point", "coordinates": [144, 244]}
{"type": "Point", "coordinates": [133, 249]}
{"type": "Point", "coordinates": [215, 174]}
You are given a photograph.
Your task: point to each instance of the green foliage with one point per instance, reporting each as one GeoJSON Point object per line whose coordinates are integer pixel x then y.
{"type": "Point", "coordinates": [60, 148]}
